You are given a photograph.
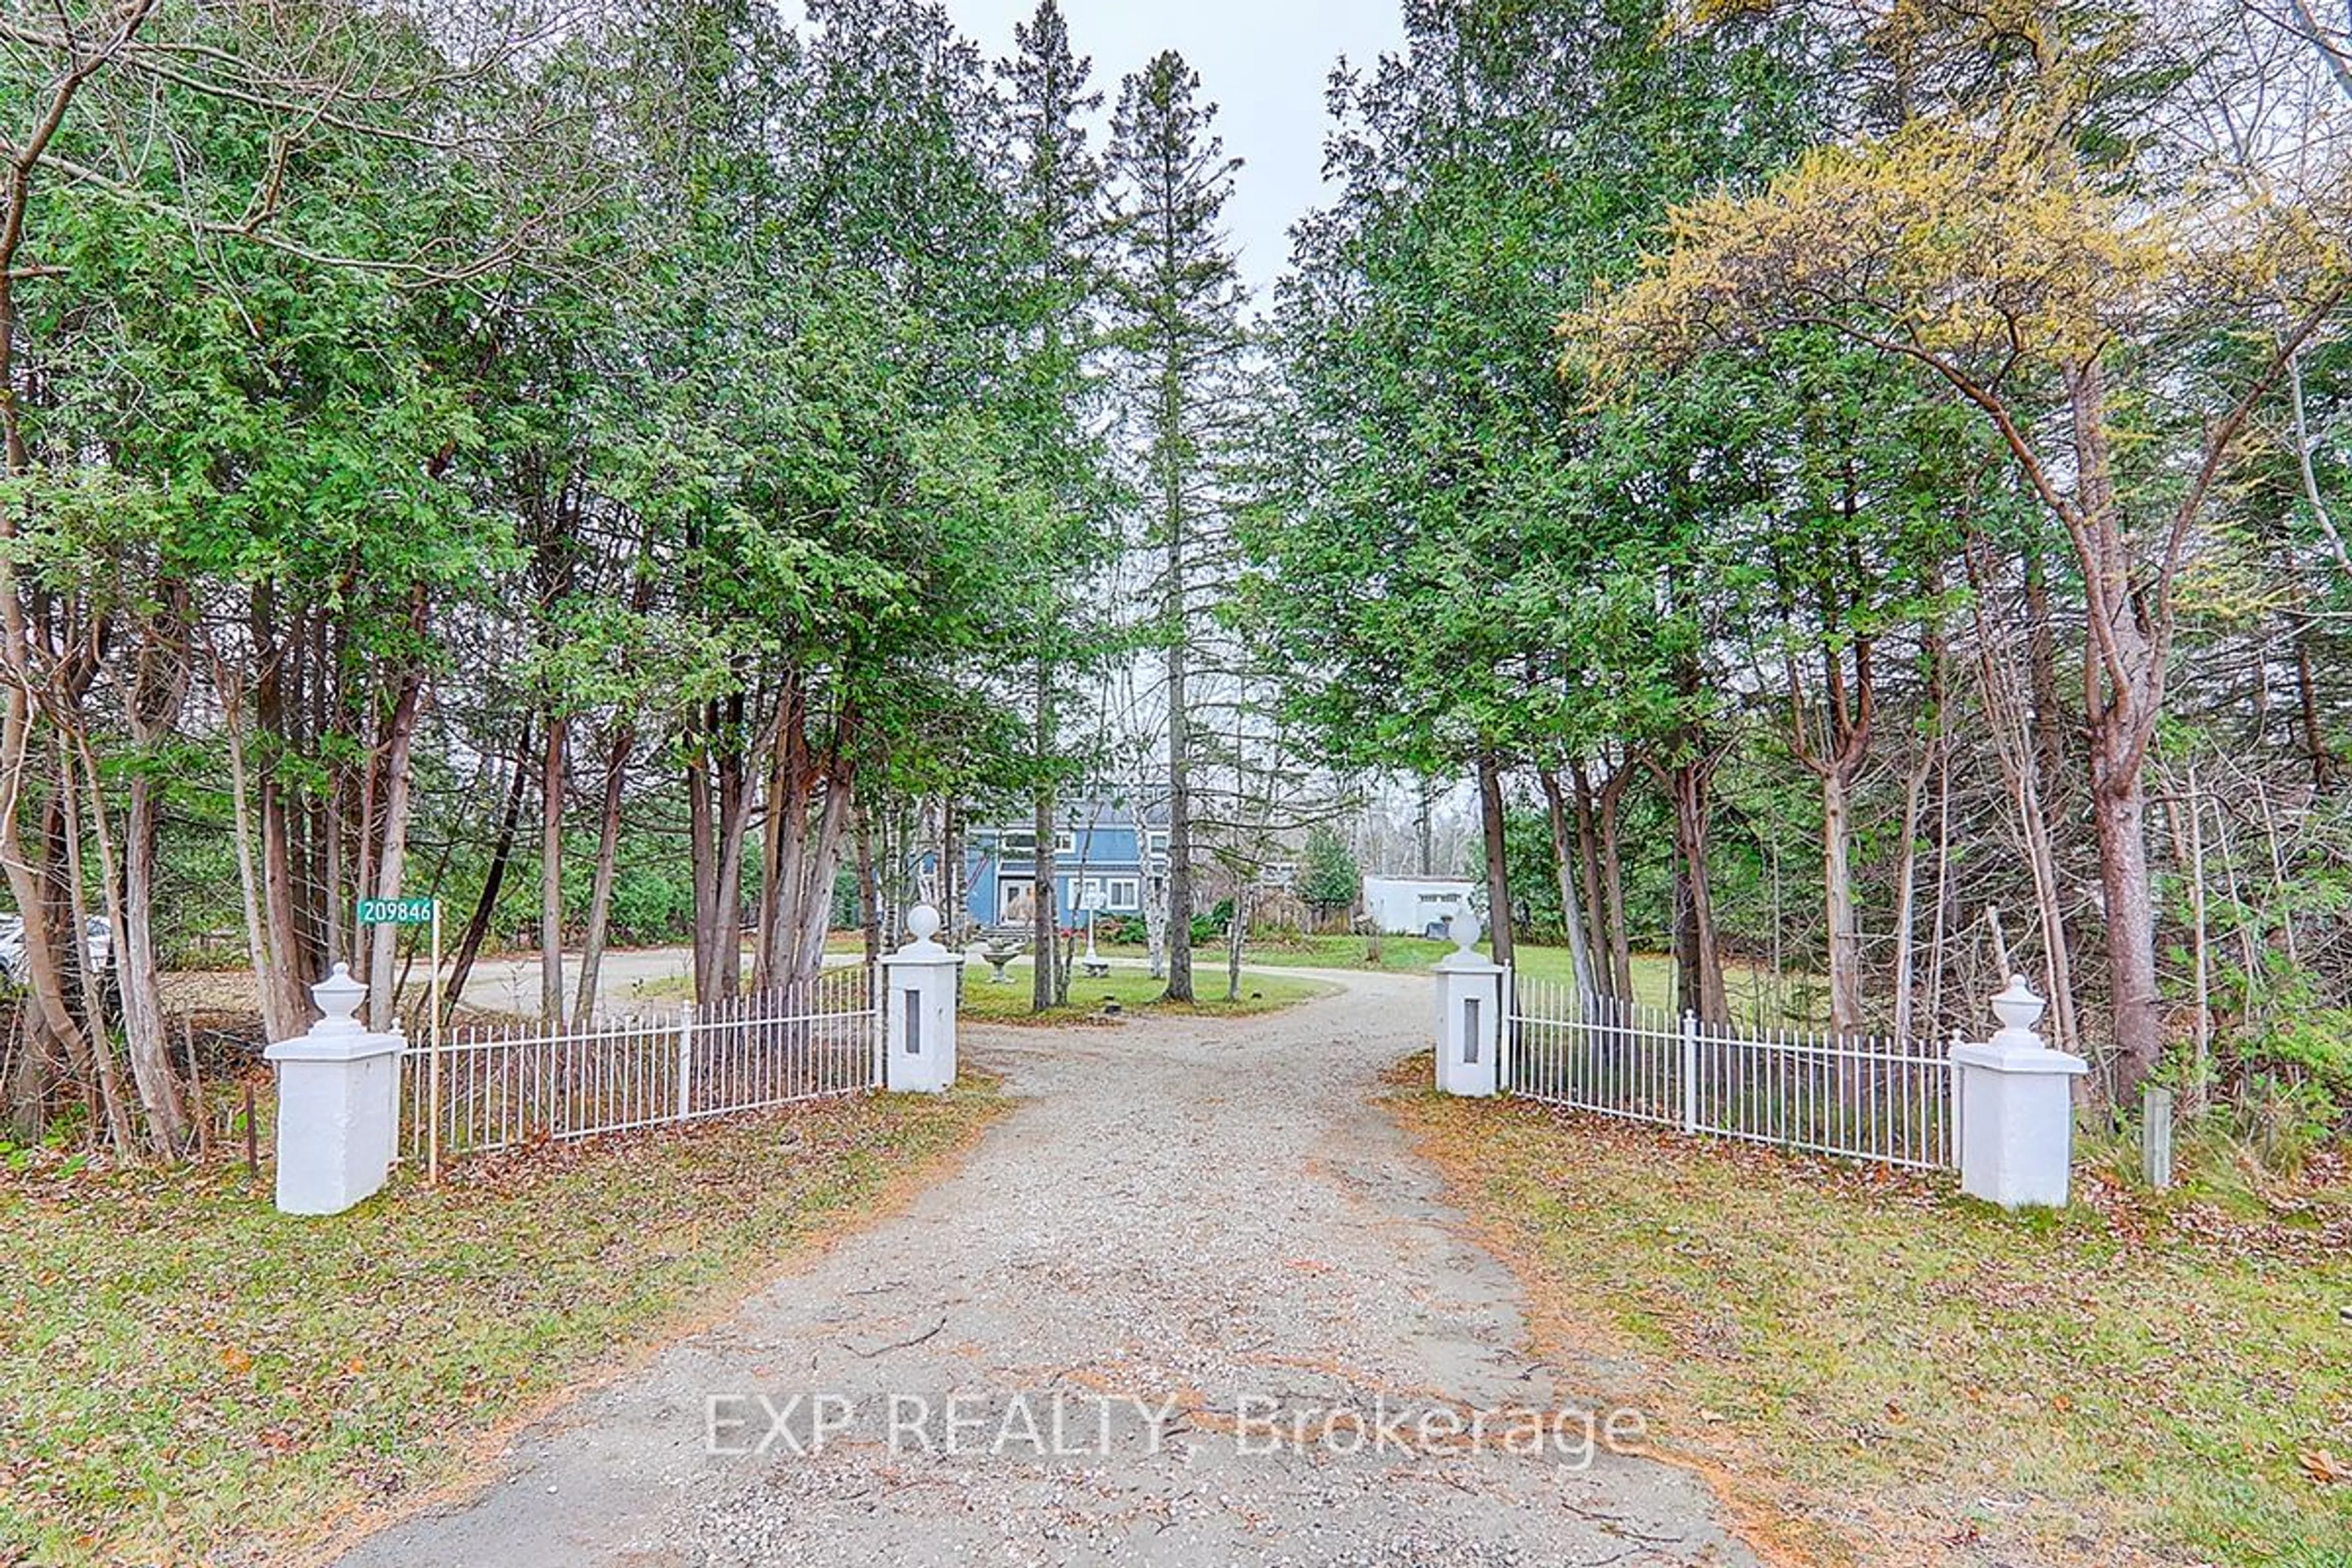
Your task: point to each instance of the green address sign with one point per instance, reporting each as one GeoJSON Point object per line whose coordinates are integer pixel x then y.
{"type": "Point", "coordinates": [396, 912]}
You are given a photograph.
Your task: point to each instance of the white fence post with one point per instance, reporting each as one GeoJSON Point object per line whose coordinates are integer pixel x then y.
{"type": "Point", "coordinates": [1470, 1023]}
{"type": "Point", "coordinates": [1506, 988]}
{"type": "Point", "coordinates": [877, 1062]}
{"type": "Point", "coordinates": [686, 1063]}
{"type": "Point", "coordinates": [918, 1011]}
{"type": "Point", "coordinates": [1690, 1072]}
{"type": "Point", "coordinates": [2017, 1109]}
{"type": "Point", "coordinates": [338, 1104]}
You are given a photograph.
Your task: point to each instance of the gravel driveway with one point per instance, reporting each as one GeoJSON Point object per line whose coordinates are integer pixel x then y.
{"type": "Point", "coordinates": [1209, 1217]}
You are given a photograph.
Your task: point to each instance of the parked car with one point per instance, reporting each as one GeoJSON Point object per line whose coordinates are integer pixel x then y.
{"type": "Point", "coordinates": [97, 939]}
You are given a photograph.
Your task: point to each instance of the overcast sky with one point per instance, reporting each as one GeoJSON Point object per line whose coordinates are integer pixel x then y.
{"type": "Point", "coordinates": [1262, 62]}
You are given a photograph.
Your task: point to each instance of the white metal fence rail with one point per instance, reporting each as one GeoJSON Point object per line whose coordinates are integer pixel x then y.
{"type": "Point", "coordinates": [1859, 1097]}
{"type": "Point", "coordinates": [495, 1088]}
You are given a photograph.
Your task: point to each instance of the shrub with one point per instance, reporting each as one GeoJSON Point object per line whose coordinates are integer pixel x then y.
{"type": "Point", "coordinates": [2293, 1086]}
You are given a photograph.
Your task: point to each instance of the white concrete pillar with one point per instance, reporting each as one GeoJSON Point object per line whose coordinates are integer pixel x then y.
{"type": "Point", "coordinates": [2017, 1109]}
{"type": "Point", "coordinates": [1469, 1014]}
{"type": "Point", "coordinates": [918, 1010]}
{"type": "Point", "coordinates": [338, 1104]}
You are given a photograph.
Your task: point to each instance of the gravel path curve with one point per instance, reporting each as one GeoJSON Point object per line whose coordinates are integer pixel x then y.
{"type": "Point", "coordinates": [1210, 1216]}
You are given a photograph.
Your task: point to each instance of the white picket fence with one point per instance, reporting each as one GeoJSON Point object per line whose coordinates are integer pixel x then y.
{"type": "Point", "coordinates": [1863, 1099]}
{"type": "Point", "coordinates": [500, 1087]}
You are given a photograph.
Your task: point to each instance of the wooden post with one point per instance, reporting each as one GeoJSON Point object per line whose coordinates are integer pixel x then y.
{"type": "Point", "coordinates": [2156, 1136]}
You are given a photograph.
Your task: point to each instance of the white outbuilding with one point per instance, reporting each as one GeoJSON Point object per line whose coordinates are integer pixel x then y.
{"type": "Point", "coordinates": [1414, 906]}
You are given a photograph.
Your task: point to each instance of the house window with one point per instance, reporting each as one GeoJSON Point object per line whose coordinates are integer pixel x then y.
{"type": "Point", "coordinates": [1065, 843]}
{"type": "Point", "coordinates": [1158, 840]}
{"type": "Point", "coordinates": [1090, 895]}
{"type": "Point", "coordinates": [1123, 894]}
{"type": "Point", "coordinates": [1021, 843]}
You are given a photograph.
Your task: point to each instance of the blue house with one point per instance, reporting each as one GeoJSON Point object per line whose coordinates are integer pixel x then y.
{"type": "Point", "coordinates": [1107, 854]}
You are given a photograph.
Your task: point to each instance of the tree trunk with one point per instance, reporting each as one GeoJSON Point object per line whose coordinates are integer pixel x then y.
{"type": "Point", "coordinates": [702, 862]}
{"type": "Point", "coordinates": [291, 977]}
{"type": "Point", "coordinates": [1069, 950]}
{"type": "Point", "coordinates": [98, 1071]}
{"type": "Point", "coordinates": [2124, 685]}
{"type": "Point", "coordinates": [32, 1078]}
{"type": "Point", "coordinates": [1155, 928]}
{"type": "Point", "coordinates": [1565, 848]}
{"type": "Point", "coordinates": [1588, 854]}
{"type": "Point", "coordinates": [142, 996]}
{"type": "Point", "coordinates": [734, 827]}
{"type": "Point", "coordinates": [1907, 900]}
{"type": "Point", "coordinates": [1498, 871]}
{"type": "Point", "coordinates": [1613, 884]}
{"type": "Point", "coordinates": [400, 740]}
{"type": "Point", "coordinates": [478, 924]}
{"type": "Point", "coordinates": [950, 893]}
{"type": "Point", "coordinates": [1045, 897]}
{"type": "Point", "coordinates": [812, 907]}
{"type": "Point", "coordinates": [31, 882]}
{"type": "Point", "coordinates": [1845, 923]}
{"type": "Point", "coordinates": [1236, 933]}
{"type": "Point", "coordinates": [1424, 831]}
{"type": "Point", "coordinates": [551, 873]}
{"type": "Point", "coordinates": [278, 1021]}
{"type": "Point", "coordinates": [314, 889]}
{"type": "Point", "coordinates": [870, 890]}
{"type": "Point", "coordinates": [2119, 809]}
{"type": "Point", "coordinates": [719, 817]}
{"type": "Point", "coordinates": [608, 856]}
{"type": "Point", "coordinates": [1180, 831]}
{"type": "Point", "coordinates": [1044, 906]}
{"type": "Point", "coordinates": [785, 838]}
{"type": "Point", "coordinates": [1687, 783]}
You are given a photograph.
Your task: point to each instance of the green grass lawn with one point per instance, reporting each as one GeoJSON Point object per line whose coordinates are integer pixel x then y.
{"type": "Point", "coordinates": [1133, 989]}
{"type": "Point", "coordinates": [1754, 996]}
{"type": "Point", "coordinates": [191, 1376]}
{"type": "Point", "coordinates": [1884, 1371]}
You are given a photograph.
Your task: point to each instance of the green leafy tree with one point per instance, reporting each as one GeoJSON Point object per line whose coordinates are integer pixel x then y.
{"type": "Point", "coordinates": [2024, 235]}
{"type": "Point", "coordinates": [1458, 543]}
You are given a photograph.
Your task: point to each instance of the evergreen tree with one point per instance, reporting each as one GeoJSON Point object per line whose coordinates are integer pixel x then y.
{"type": "Point", "coordinates": [1056, 203]}
{"type": "Point", "coordinates": [1329, 879]}
{"type": "Point", "coordinates": [1178, 300]}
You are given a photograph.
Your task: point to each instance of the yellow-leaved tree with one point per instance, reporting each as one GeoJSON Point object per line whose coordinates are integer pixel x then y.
{"type": "Point", "coordinates": [2072, 215]}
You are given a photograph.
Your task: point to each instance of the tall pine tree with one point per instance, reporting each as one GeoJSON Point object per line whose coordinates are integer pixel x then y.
{"type": "Point", "coordinates": [1057, 200]}
{"type": "Point", "coordinates": [1178, 300]}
